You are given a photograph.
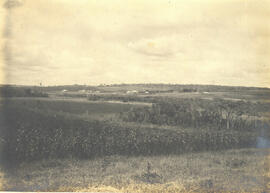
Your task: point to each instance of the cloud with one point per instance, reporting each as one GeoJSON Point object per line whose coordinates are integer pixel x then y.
{"type": "Point", "coordinates": [9, 4]}
{"type": "Point", "coordinates": [160, 46]}
{"type": "Point", "coordinates": [206, 42]}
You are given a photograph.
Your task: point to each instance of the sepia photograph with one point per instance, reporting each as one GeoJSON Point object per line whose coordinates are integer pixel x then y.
{"type": "Point", "coordinates": [135, 96]}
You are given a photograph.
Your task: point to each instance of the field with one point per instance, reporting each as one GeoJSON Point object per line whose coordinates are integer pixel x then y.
{"type": "Point", "coordinates": [74, 107]}
{"type": "Point", "coordinates": [128, 138]}
{"type": "Point", "coordinates": [242, 170]}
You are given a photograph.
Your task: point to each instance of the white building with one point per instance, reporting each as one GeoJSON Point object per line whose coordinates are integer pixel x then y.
{"type": "Point", "coordinates": [132, 92]}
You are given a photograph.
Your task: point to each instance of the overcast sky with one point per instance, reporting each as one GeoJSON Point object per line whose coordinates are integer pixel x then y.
{"type": "Point", "coordinates": [122, 41]}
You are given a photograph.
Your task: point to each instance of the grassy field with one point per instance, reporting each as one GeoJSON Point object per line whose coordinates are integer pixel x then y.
{"type": "Point", "coordinates": [73, 105]}
{"type": "Point", "coordinates": [245, 170]}
{"type": "Point", "coordinates": [172, 139]}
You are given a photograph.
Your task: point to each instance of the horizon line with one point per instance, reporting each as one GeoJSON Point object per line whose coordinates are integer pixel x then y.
{"type": "Point", "coordinates": [119, 84]}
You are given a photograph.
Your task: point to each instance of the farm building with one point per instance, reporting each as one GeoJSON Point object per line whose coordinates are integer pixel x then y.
{"type": "Point", "coordinates": [132, 92]}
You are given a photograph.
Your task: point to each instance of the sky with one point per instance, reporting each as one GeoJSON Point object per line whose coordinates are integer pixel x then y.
{"type": "Point", "coordinates": [56, 42]}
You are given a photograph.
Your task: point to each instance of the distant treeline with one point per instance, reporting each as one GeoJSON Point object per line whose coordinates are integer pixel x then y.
{"type": "Point", "coordinates": [152, 87]}
{"type": "Point", "coordinates": [181, 87]}
{"type": "Point", "coordinates": [12, 91]}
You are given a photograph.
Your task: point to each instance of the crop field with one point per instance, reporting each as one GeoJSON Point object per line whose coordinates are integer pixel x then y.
{"type": "Point", "coordinates": [35, 134]}
{"type": "Point", "coordinates": [111, 128]}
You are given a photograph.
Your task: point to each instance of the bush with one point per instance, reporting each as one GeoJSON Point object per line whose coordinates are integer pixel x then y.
{"type": "Point", "coordinates": [198, 113]}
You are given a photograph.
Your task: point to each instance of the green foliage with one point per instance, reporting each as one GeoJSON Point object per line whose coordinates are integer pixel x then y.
{"type": "Point", "coordinates": [30, 135]}
{"type": "Point", "coordinates": [198, 113]}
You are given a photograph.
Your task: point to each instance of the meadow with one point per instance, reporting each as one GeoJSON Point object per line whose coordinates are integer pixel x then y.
{"type": "Point", "coordinates": [158, 130]}
{"type": "Point", "coordinates": [235, 171]}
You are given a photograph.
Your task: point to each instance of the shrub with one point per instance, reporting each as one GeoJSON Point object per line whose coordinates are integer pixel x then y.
{"type": "Point", "coordinates": [198, 113]}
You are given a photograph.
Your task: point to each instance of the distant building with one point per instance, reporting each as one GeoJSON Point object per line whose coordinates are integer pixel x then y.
{"type": "Point", "coordinates": [64, 90]}
{"type": "Point", "coordinates": [132, 92]}
{"type": "Point", "coordinates": [82, 91]}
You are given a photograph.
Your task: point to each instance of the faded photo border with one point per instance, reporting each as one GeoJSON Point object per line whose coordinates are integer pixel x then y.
{"type": "Point", "coordinates": [12, 70]}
